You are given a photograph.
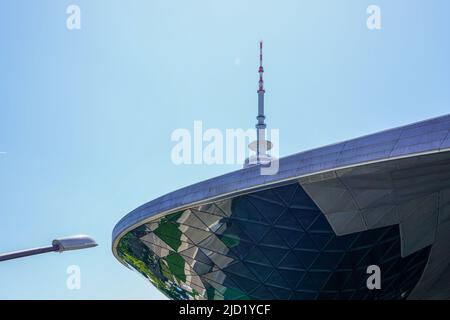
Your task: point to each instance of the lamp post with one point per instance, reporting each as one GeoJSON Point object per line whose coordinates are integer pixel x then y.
{"type": "Point", "coordinates": [76, 242]}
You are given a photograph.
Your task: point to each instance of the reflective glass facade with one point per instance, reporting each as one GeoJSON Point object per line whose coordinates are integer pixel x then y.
{"type": "Point", "coordinates": [270, 244]}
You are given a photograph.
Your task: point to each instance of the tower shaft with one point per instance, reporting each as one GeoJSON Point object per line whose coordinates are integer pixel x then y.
{"type": "Point", "coordinates": [260, 125]}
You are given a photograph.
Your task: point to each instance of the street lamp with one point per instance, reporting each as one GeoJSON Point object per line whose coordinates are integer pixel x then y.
{"type": "Point", "coordinates": [58, 245]}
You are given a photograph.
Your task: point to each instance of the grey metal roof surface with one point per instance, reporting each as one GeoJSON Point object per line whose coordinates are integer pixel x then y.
{"type": "Point", "coordinates": [419, 138]}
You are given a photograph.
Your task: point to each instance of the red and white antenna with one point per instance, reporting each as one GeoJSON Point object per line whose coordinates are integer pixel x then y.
{"type": "Point", "coordinates": [261, 68]}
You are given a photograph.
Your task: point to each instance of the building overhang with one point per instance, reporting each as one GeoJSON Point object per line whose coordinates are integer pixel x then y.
{"type": "Point", "coordinates": [397, 176]}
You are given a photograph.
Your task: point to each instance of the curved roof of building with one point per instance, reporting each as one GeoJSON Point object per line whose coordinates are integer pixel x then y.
{"type": "Point", "coordinates": [425, 137]}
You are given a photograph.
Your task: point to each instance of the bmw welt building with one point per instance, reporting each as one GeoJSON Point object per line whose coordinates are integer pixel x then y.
{"type": "Point", "coordinates": [312, 230]}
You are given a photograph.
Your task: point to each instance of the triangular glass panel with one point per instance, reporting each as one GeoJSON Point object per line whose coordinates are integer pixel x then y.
{"type": "Point", "coordinates": [291, 261]}
{"type": "Point", "coordinates": [254, 231]}
{"type": "Point", "coordinates": [273, 239]}
{"type": "Point", "coordinates": [292, 276]}
{"type": "Point", "coordinates": [232, 230]}
{"type": "Point", "coordinates": [267, 196]}
{"type": "Point", "coordinates": [302, 200]}
{"type": "Point", "coordinates": [224, 207]}
{"type": "Point", "coordinates": [214, 244]}
{"type": "Point", "coordinates": [276, 279]}
{"type": "Point", "coordinates": [281, 294]}
{"type": "Point", "coordinates": [267, 209]}
{"type": "Point", "coordinates": [307, 258]}
{"type": "Point", "coordinates": [257, 256]}
{"type": "Point", "coordinates": [262, 293]}
{"type": "Point", "coordinates": [306, 243]}
{"type": "Point", "coordinates": [275, 255]}
{"type": "Point", "coordinates": [321, 239]}
{"type": "Point", "coordinates": [288, 220]}
{"type": "Point", "coordinates": [350, 260]}
{"type": "Point", "coordinates": [240, 269]}
{"type": "Point", "coordinates": [286, 193]}
{"type": "Point", "coordinates": [242, 250]}
{"type": "Point", "coordinates": [340, 243]}
{"type": "Point", "coordinates": [222, 261]}
{"type": "Point", "coordinates": [196, 254]}
{"type": "Point", "coordinates": [244, 210]}
{"type": "Point", "coordinates": [261, 272]}
{"type": "Point", "coordinates": [216, 279]}
{"type": "Point", "coordinates": [245, 284]}
{"type": "Point", "coordinates": [327, 260]}
{"type": "Point", "coordinates": [336, 280]}
{"type": "Point", "coordinates": [320, 278]}
{"type": "Point", "coordinates": [304, 295]}
{"type": "Point", "coordinates": [305, 217]}
{"type": "Point", "coordinates": [210, 221]}
{"type": "Point", "coordinates": [291, 237]}
{"type": "Point", "coordinates": [320, 224]}
{"type": "Point", "coordinates": [307, 284]}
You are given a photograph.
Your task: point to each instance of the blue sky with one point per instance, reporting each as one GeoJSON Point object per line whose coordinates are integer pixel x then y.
{"type": "Point", "coordinates": [86, 115]}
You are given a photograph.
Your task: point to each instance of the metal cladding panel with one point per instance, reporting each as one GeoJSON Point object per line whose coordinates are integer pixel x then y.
{"type": "Point", "coordinates": [436, 278]}
{"type": "Point", "coordinates": [402, 191]}
{"type": "Point", "coordinates": [446, 143]}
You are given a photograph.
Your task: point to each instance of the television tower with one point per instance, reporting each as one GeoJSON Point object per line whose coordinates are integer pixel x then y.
{"type": "Point", "coordinates": [261, 145]}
